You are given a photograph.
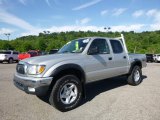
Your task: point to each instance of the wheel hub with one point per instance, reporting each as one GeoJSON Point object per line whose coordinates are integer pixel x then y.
{"type": "Point", "coordinates": [136, 76]}
{"type": "Point", "coordinates": [68, 93]}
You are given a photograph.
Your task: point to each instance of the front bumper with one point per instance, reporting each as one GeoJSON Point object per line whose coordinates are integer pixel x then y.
{"type": "Point", "coordinates": [32, 85]}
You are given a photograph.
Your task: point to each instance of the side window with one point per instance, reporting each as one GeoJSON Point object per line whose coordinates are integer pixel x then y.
{"type": "Point", "coordinates": [8, 52]}
{"type": "Point", "coordinates": [116, 46]}
{"type": "Point", "coordinates": [102, 46]}
{"type": "Point", "coordinates": [15, 53]}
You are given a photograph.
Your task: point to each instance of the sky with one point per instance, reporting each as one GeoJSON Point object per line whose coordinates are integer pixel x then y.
{"type": "Point", "coordinates": [30, 17]}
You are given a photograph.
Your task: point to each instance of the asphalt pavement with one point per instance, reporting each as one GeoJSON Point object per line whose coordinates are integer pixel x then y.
{"type": "Point", "coordinates": [111, 99]}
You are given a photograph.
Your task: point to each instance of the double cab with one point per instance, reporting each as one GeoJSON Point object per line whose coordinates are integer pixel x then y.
{"type": "Point", "coordinates": [63, 75]}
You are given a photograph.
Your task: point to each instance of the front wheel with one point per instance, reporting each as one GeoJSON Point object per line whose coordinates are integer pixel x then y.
{"type": "Point", "coordinates": [135, 78]}
{"type": "Point", "coordinates": [66, 93]}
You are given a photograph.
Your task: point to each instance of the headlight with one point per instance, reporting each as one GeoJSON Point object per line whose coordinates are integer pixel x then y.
{"type": "Point", "coordinates": [35, 69]}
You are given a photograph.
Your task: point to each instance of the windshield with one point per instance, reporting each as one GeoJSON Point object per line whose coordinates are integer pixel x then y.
{"type": "Point", "coordinates": [75, 46]}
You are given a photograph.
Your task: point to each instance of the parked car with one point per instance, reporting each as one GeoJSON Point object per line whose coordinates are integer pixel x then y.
{"type": "Point", "coordinates": [149, 57]}
{"type": "Point", "coordinates": [63, 76]}
{"type": "Point", "coordinates": [53, 51]}
{"type": "Point", "coordinates": [156, 57]}
{"type": "Point", "coordinates": [8, 56]}
{"type": "Point", "coordinates": [44, 53]}
{"type": "Point", "coordinates": [30, 53]}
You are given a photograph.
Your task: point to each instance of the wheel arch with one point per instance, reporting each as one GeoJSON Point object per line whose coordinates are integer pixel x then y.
{"type": "Point", "coordinates": [10, 58]}
{"type": "Point", "coordinates": [136, 62]}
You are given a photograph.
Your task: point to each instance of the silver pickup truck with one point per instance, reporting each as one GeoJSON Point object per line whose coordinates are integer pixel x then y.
{"type": "Point", "coordinates": [63, 75]}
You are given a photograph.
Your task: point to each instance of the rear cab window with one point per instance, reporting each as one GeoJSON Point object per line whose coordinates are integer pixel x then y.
{"type": "Point", "coordinates": [116, 46]}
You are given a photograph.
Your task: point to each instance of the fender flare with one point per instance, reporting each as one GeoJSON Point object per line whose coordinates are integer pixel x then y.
{"type": "Point", "coordinates": [69, 66]}
{"type": "Point", "coordinates": [135, 62]}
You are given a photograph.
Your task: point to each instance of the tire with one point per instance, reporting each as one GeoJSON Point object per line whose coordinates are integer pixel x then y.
{"type": "Point", "coordinates": [63, 96]}
{"type": "Point", "coordinates": [17, 61]}
{"type": "Point", "coordinates": [156, 61]}
{"type": "Point", "coordinates": [135, 78]}
{"type": "Point", "coordinates": [10, 61]}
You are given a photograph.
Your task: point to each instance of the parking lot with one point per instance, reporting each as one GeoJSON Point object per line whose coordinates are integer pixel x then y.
{"type": "Point", "coordinates": [111, 99]}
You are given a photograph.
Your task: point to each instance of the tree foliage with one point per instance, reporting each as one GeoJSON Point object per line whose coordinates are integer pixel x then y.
{"type": "Point", "coordinates": [145, 42]}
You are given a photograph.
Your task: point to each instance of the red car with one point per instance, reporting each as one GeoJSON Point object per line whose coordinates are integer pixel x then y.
{"type": "Point", "coordinates": [30, 53]}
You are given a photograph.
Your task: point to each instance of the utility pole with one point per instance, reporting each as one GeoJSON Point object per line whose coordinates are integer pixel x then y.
{"type": "Point", "coordinates": [7, 34]}
{"type": "Point", "coordinates": [135, 49]}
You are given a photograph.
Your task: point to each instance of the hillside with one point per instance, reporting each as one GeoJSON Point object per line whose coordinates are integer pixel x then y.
{"type": "Point", "coordinates": [145, 42]}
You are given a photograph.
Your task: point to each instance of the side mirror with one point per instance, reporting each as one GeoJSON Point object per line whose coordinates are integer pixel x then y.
{"type": "Point", "coordinates": [93, 51]}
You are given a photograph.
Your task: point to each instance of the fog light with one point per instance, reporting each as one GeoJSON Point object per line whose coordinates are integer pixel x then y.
{"type": "Point", "coordinates": [31, 89]}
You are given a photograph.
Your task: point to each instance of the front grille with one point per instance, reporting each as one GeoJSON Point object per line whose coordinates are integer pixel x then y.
{"type": "Point", "coordinates": [20, 69]}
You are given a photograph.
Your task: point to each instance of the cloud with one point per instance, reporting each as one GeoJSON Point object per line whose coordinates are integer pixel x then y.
{"type": "Point", "coordinates": [11, 19]}
{"type": "Point", "coordinates": [152, 12]}
{"type": "Point", "coordinates": [48, 3]}
{"type": "Point", "coordinates": [6, 30]}
{"type": "Point", "coordinates": [155, 14]}
{"type": "Point", "coordinates": [133, 27]}
{"type": "Point", "coordinates": [65, 29]}
{"type": "Point", "coordinates": [24, 2]}
{"type": "Point", "coordinates": [120, 28]}
{"type": "Point", "coordinates": [138, 13]}
{"type": "Point", "coordinates": [93, 2]}
{"type": "Point", "coordinates": [104, 12]}
{"type": "Point", "coordinates": [155, 26]}
{"type": "Point", "coordinates": [83, 21]}
{"type": "Point", "coordinates": [117, 12]}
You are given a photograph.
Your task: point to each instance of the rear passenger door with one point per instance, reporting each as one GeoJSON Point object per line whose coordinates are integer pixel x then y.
{"type": "Point", "coordinates": [120, 58]}
{"type": "Point", "coordinates": [15, 55]}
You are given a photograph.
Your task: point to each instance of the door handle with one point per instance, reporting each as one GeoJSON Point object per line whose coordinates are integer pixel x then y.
{"type": "Point", "coordinates": [124, 57]}
{"type": "Point", "coordinates": [110, 58]}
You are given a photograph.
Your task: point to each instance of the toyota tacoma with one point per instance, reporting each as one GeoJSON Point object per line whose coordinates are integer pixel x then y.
{"type": "Point", "coordinates": [63, 75]}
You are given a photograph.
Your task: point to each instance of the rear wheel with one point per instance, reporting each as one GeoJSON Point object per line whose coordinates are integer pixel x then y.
{"type": "Point", "coordinates": [10, 61]}
{"type": "Point", "coordinates": [156, 61]}
{"type": "Point", "coordinates": [66, 93]}
{"type": "Point", "coordinates": [135, 78]}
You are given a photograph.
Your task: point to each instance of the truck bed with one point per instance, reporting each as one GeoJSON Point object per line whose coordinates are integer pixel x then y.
{"type": "Point", "coordinates": [141, 57]}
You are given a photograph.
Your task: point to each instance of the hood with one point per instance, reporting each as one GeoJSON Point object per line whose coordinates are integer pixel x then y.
{"type": "Point", "coordinates": [54, 58]}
